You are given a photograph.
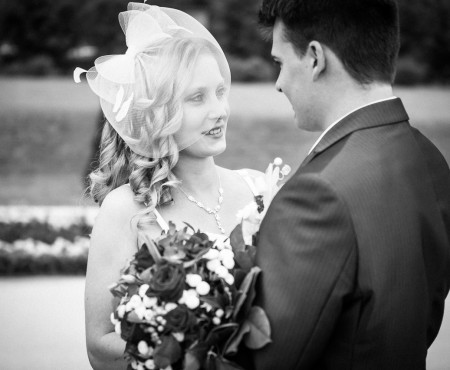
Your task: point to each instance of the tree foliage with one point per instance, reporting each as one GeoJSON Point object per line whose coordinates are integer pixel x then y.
{"type": "Point", "coordinates": [49, 29]}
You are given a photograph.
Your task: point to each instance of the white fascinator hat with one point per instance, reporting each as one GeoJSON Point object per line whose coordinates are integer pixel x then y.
{"type": "Point", "coordinates": [116, 79]}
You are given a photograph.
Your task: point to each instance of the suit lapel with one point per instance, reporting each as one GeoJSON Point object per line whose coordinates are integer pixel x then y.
{"type": "Point", "coordinates": [383, 113]}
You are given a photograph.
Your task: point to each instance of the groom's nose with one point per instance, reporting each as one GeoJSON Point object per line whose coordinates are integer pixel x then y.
{"type": "Point", "coordinates": [278, 87]}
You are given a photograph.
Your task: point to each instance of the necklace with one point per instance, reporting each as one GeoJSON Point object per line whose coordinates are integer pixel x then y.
{"type": "Point", "coordinates": [210, 210]}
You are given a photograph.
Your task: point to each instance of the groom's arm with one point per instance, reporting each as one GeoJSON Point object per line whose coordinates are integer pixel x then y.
{"type": "Point", "coordinates": [307, 252]}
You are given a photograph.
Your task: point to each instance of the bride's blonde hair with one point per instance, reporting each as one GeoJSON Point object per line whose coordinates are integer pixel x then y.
{"type": "Point", "coordinates": [151, 179]}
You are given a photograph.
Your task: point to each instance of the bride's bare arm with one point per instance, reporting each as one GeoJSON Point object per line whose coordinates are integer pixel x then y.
{"type": "Point", "coordinates": [113, 242]}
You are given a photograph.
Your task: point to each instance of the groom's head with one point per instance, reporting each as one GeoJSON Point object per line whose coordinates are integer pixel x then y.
{"type": "Point", "coordinates": [321, 43]}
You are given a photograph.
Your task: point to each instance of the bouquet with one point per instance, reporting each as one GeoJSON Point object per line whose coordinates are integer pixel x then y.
{"type": "Point", "coordinates": [186, 302]}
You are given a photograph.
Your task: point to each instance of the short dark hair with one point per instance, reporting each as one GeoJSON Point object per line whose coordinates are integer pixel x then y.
{"type": "Point", "coordinates": [364, 34]}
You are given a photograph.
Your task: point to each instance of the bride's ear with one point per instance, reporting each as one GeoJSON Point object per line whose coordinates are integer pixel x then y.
{"type": "Point", "coordinates": [317, 57]}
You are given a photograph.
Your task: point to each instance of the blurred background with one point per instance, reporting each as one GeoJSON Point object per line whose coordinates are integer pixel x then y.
{"type": "Point", "coordinates": [49, 136]}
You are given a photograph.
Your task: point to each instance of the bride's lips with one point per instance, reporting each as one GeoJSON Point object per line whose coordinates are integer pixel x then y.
{"type": "Point", "coordinates": [215, 131]}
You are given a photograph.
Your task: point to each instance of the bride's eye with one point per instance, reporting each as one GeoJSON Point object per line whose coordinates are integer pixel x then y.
{"type": "Point", "coordinates": [221, 92]}
{"type": "Point", "coordinates": [196, 98]}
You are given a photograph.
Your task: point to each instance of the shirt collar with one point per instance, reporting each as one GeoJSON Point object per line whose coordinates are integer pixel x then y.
{"type": "Point", "coordinates": [340, 119]}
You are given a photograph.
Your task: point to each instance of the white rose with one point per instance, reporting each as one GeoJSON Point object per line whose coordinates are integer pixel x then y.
{"type": "Point", "coordinates": [143, 289]}
{"type": "Point", "coordinates": [211, 254]}
{"type": "Point", "coordinates": [228, 263]}
{"type": "Point", "coordinates": [193, 279]}
{"type": "Point", "coordinates": [213, 265]}
{"type": "Point", "coordinates": [143, 347]}
{"type": "Point", "coordinates": [203, 288]}
{"type": "Point", "coordinates": [150, 364]}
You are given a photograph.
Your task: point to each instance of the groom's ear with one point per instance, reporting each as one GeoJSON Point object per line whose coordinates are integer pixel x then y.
{"type": "Point", "coordinates": [317, 58]}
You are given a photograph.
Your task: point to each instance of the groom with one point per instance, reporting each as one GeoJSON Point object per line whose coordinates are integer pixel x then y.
{"type": "Point", "coordinates": [355, 247]}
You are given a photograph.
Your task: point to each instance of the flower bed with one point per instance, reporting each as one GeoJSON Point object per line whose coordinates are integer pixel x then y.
{"type": "Point", "coordinates": [44, 240]}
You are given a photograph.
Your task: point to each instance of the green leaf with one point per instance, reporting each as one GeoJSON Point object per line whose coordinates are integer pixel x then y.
{"type": "Point", "coordinates": [259, 334]}
{"type": "Point", "coordinates": [246, 292]}
{"type": "Point", "coordinates": [196, 354]}
{"type": "Point", "coordinates": [191, 362]}
{"type": "Point", "coordinates": [224, 364]}
{"type": "Point", "coordinates": [231, 348]}
{"type": "Point", "coordinates": [220, 334]}
{"type": "Point", "coordinates": [244, 260]}
{"type": "Point", "coordinates": [168, 352]}
{"type": "Point", "coordinates": [237, 239]}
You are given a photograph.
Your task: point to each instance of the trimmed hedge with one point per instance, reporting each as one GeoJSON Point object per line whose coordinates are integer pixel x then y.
{"type": "Point", "coordinates": [31, 244]}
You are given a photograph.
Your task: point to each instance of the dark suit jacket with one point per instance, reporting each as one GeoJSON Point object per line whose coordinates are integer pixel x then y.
{"type": "Point", "coordinates": [355, 249]}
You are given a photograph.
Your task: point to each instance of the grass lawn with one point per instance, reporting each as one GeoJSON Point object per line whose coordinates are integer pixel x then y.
{"type": "Point", "coordinates": [48, 125]}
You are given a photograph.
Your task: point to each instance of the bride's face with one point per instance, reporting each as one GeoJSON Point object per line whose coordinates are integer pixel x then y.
{"type": "Point", "coordinates": [205, 110]}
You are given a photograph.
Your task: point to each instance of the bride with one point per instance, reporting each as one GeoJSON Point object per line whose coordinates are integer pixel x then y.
{"type": "Point", "coordinates": [166, 104]}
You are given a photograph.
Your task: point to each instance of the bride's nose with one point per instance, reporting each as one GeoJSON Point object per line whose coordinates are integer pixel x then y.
{"type": "Point", "coordinates": [219, 108]}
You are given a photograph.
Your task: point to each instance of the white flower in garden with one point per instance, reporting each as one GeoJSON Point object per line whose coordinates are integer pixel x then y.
{"type": "Point", "coordinates": [216, 320]}
{"type": "Point", "coordinates": [219, 313]}
{"type": "Point", "coordinates": [203, 288]}
{"type": "Point", "coordinates": [212, 265]}
{"type": "Point", "coordinates": [134, 364]}
{"type": "Point", "coordinates": [140, 366]}
{"type": "Point", "coordinates": [178, 336]}
{"type": "Point", "coordinates": [211, 254]}
{"type": "Point", "coordinates": [193, 279]}
{"type": "Point", "coordinates": [143, 289]}
{"type": "Point", "coordinates": [143, 347]}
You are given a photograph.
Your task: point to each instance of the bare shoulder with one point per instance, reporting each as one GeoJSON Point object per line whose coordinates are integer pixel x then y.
{"type": "Point", "coordinates": [117, 210]}
{"type": "Point", "coordinates": [120, 200]}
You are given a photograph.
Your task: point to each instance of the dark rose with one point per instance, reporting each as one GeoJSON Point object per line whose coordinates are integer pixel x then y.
{"type": "Point", "coordinates": [167, 281]}
{"type": "Point", "coordinates": [180, 319]}
{"type": "Point", "coordinates": [143, 258]}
